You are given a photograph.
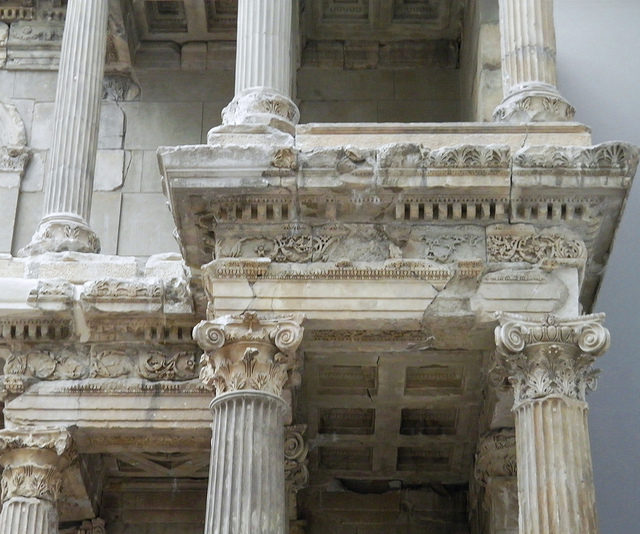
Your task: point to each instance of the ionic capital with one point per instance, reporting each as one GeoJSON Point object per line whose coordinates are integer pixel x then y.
{"type": "Point", "coordinates": [552, 358]}
{"type": "Point", "coordinates": [33, 461]}
{"type": "Point", "coordinates": [248, 352]}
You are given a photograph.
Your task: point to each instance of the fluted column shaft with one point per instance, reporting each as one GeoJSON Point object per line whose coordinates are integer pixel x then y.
{"type": "Point", "coordinates": [529, 79]}
{"type": "Point", "coordinates": [263, 57]}
{"type": "Point", "coordinates": [247, 490]}
{"type": "Point", "coordinates": [28, 516]}
{"type": "Point", "coordinates": [33, 461]}
{"type": "Point", "coordinates": [71, 162]}
{"type": "Point", "coordinates": [246, 362]}
{"type": "Point", "coordinates": [549, 364]}
{"type": "Point", "coordinates": [263, 69]}
{"type": "Point", "coordinates": [555, 478]}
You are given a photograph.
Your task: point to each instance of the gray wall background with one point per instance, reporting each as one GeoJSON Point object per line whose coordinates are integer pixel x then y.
{"type": "Point", "coordinates": [599, 72]}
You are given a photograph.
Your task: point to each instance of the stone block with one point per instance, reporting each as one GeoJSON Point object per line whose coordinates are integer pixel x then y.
{"type": "Point", "coordinates": [38, 85]}
{"type": "Point", "coordinates": [338, 111]}
{"type": "Point", "coordinates": [324, 54]}
{"type": "Point", "coordinates": [361, 54]}
{"type": "Point", "coordinates": [212, 116]}
{"type": "Point", "coordinates": [7, 80]}
{"type": "Point", "coordinates": [162, 86]}
{"type": "Point", "coordinates": [150, 173]}
{"type": "Point", "coordinates": [325, 84]}
{"type": "Point", "coordinates": [158, 55]}
{"type": "Point", "coordinates": [194, 56]}
{"type": "Point", "coordinates": [27, 219]}
{"type": "Point", "coordinates": [42, 128]}
{"type": "Point", "coordinates": [109, 174]}
{"type": "Point", "coordinates": [419, 111]}
{"type": "Point", "coordinates": [146, 225]}
{"type": "Point", "coordinates": [132, 171]}
{"type": "Point", "coordinates": [105, 219]}
{"type": "Point", "coordinates": [427, 84]}
{"type": "Point", "coordinates": [221, 55]}
{"type": "Point", "coordinates": [150, 125]}
{"type": "Point", "coordinates": [112, 130]}
{"type": "Point", "coordinates": [8, 201]}
{"type": "Point", "coordinates": [77, 267]}
{"type": "Point", "coordinates": [25, 109]}
{"type": "Point", "coordinates": [33, 179]}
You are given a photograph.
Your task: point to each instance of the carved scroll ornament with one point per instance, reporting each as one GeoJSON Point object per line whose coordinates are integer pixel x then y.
{"type": "Point", "coordinates": [247, 352]}
{"type": "Point", "coordinates": [550, 358]}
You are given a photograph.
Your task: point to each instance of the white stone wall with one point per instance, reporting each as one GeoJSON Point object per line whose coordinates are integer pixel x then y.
{"type": "Point", "coordinates": [178, 107]}
{"type": "Point", "coordinates": [128, 212]}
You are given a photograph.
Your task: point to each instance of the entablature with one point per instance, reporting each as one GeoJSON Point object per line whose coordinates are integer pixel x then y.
{"type": "Point", "coordinates": [307, 203]}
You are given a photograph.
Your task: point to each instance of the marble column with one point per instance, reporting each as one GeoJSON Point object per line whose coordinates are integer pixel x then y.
{"type": "Point", "coordinates": [549, 365]}
{"type": "Point", "coordinates": [495, 472]}
{"type": "Point", "coordinates": [71, 161]}
{"type": "Point", "coordinates": [33, 460]}
{"type": "Point", "coordinates": [529, 80]}
{"type": "Point", "coordinates": [246, 362]}
{"type": "Point", "coordinates": [263, 67]}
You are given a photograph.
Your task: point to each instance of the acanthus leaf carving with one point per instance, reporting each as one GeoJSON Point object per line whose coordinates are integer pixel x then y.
{"type": "Point", "coordinates": [248, 352]}
{"type": "Point", "coordinates": [550, 358]}
{"type": "Point", "coordinates": [607, 157]}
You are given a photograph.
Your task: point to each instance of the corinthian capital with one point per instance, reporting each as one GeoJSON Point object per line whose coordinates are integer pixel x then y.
{"type": "Point", "coordinates": [550, 358]}
{"type": "Point", "coordinates": [33, 461]}
{"type": "Point", "coordinates": [248, 352]}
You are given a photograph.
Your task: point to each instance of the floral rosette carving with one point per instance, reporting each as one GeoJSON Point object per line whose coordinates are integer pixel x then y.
{"type": "Point", "coordinates": [550, 358]}
{"type": "Point", "coordinates": [248, 352]}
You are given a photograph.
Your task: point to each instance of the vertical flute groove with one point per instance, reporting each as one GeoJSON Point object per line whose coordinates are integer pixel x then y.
{"type": "Point", "coordinates": [555, 479]}
{"type": "Point", "coordinates": [246, 488]}
{"type": "Point", "coordinates": [264, 33]}
{"type": "Point", "coordinates": [76, 118]}
{"type": "Point", "coordinates": [22, 515]}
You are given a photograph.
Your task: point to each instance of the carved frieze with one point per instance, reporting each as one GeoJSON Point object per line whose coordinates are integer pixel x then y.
{"type": "Point", "coordinates": [617, 158]}
{"type": "Point", "coordinates": [550, 358]}
{"type": "Point", "coordinates": [133, 295]}
{"type": "Point", "coordinates": [248, 352]}
{"type": "Point", "coordinates": [52, 295]}
{"type": "Point", "coordinates": [48, 362]}
{"type": "Point", "coordinates": [253, 269]}
{"type": "Point", "coordinates": [533, 248]}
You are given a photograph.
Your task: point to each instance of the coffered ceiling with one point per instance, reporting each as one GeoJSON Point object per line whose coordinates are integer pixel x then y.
{"type": "Point", "coordinates": [370, 20]}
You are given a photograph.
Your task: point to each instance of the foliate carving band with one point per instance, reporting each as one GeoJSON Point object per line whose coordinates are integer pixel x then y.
{"type": "Point", "coordinates": [533, 248]}
{"type": "Point", "coordinates": [30, 480]}
{"type": "Point", "coordinates": [550, 358]}
{"type": "Point", "coordinates": [247, 352]}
